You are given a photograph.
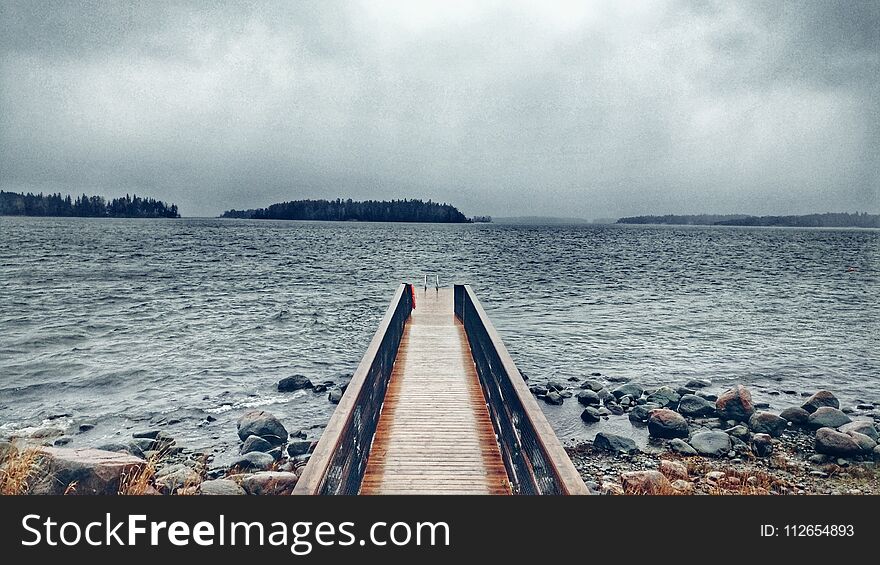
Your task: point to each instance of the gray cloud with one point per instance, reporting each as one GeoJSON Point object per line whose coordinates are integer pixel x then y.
{"type": "Point", "coordinates": [565, 108]}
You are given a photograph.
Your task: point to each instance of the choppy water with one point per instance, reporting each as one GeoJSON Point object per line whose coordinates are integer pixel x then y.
{"type": "Point", "coordinates": [124, 323]}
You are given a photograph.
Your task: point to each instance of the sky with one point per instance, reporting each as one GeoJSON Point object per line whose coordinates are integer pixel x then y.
{"type": "Point", "coordinates": [506, 108]}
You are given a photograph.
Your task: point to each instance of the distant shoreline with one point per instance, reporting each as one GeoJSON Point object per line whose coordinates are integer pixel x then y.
{"type": "Point", "coordinates": [826, 220]}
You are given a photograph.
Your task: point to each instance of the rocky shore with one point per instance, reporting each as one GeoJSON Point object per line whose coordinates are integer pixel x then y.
{"type": "Point", "coordinates": [702, 443]}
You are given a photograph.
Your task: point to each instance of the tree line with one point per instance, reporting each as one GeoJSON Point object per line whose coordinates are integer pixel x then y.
{"type": "Point", "coordinates": [350, 210]}
{"type": "Point", "coordinates": [15, 204]}
{"type": "Point", "coordinates": [826, 220]}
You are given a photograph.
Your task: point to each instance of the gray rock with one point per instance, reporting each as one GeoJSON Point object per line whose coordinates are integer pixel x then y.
{"type": "Point", "coordinates": [47, 432]}
{"type": "Point", "coordinates": [588, 398]}
{"type": "Point", "coordinates": [827, 417]}
{"type": "Point", "coordinates": [739, 431]}
{"type": "Point", "coordinates": [335, 396]}
{"type": "Point", "coordinates": [255, 443]}
{"type": "Point", "coordinates": [707, 395]}
{"type": "Point", "coordinates": [713, 443]}
{"type": "Point", "coordinates": [865, 443]}
{"type": "Point", "coordinates": [832, 442]}
{"type": "Point", "coordinates": [735, 404]}
{"type": "Point", "coordinates": [615, 409]}
{"type": "Point", "coordinates": [767, 423]}
{"type": "Point", "coordinates": [695, 406]}
{"type": "Point", "coordinates": [253, 460]}
{"type": "Point", "coordinates": [681, 447]}
{"type": "Point", "coordinates": [93, 471]}
{"type": "Point", "coordinates": [615, 443]}
{"type": "Point", "coordinates": [181, 476]}
{"type": "Point", "coordinates": [262, 424]}
{"type": "Point", "coordinates": [296, 382]}
{"type": "Point", "coordinates": [698, 383]}
{"type": "Point", "coordinates": [604, 411]}
{"type": "Point", "coordinates": [297, 448]}
{"type": "Point", "coordinates": [818, 459]}
{"type": "Point", "coordinates": [555, 385]}
{"type": "Point", "coordinates": [62, 441]}
{"type": "Point", "coordinates": [150, 434]}
{"type": "Point", "coordinates": [566, 394]}
{"type": "Point", "coordinates": [683, 390]}
{"type": "Point", "coordinates": [605, 396]}
{"type": "Point", "coordinates": [593, 385]}
{"type": "Point", "coordinates": [626, 401]}
{"type": "Point", "coordinates": [862, 427]}
{"type": "Point", "coordinates": [795, 415]}
{"type": "Point", "coordinates": [820, 399]}
{"type": "Point", "coordinates": [86, 427]}
{"type": "Point", "coordinates": [122, 448]}
{"type": "Point", "coordinates": [539, 390]}
{"type": "Point", "coordinates": [270, 483]}
{"type": "Point", "coordinates": [590, 415]}
{"type": "Point", "coordinates": [877, 453]}
{"type": "Point", "coordinates": [220, 487]}
{"type": "Point", "coordinates": [762, 445]}
{"type": "Point", "coordinates": [665, 396]}
{"type": "Point", "coordinates": [629, 389]}
{"type": "Point", "coordinates": [639, 414]}
{"type": "Point", "coordinates": [762, 405]}
{"type": "Point", "coordinates": [665, 423]}
{"type": "Point", "coordinates": [553, 398]}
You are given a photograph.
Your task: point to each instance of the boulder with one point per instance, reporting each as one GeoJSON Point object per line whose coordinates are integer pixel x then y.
{"type": "Point", "coordinates": [767, 423]}
{"type": "Point", "coordinates": [681, 447]}
{"type": "Point", "coordinates": [735, 404]}
{"type": "Point", "coordinates": [682, 486]}
{"type": "Point", "coordinates": [707, 395]}
{"type": "Point", "coordinates": [297, 448]}
{"type": "Point", "coordinates": [827, 417]}
{"type": "Point", "coordinates": [865, 443]}
{"type": "Point", "coordinates": [639, 414]}
{"type": "Point", "coordinates": [270, 483]}
{"type": "Point", "coordinates": [253, 461]}
{"type": "Point", "coordinates": [665, 423]}
{"type": "Point", "coordinates": [593, 385]}
{"type": "Point", "coordinates": [296, 382]}
{"type": "Point", "coordinates": [262, 424]}
{"type": "Point", "coordinates": [862, 427]}
{"type": "Point", "coordinates": [795, 415]}
{"type": "Point", "coordinates": [174, 477]}
{"type": "Point", "coordinates": [673, 470]}
{"type": "Point", "coordinates": [697, 383]}
{"type": "Point", "coordinates": [695, 406]}
{"type": "Point", "coordinates": [712, 443]}
{"type": "Point", "coordinates": [539, 390]}
{"type": "Point", "coordinates": [615, 409]}
{"type": "Point", "coordinates": [832, 442]}
{"type": "Point", "coordinates": [614, 443]}
{"type": "Point", "coordinates": [646, 482]}
{"type": "Point", "coordinates": [590, 415]}
{"type": "Point", "coordinates": [94, 471]}
{"type": "Point", "coordinates": [629, 389]}
{"type": "Point", "coordinates": [740, 431]}
{"type": "Point", "coordinates": [335, 396]}
{"type": "Point", "coordinates": [605, 396]}
{"type": "Point", "coordinates": [665, 397]}
{"type": "Point", "coordinates": [820, 399]}
{"type": "Point", "coordinates": [555, 385]}
{"type": "Point", "coordinates": [220, 487]}
{"type": "Point", "coordinates": [554, 398]}
{"type": "Point", "coordinates": [256, 443]}
{"type": "Point", "coordinates": [683, 390]}
{"type": "Point", "coordinates": [588, 398]}
{"type": "Point", "coordinates": [762, 445]}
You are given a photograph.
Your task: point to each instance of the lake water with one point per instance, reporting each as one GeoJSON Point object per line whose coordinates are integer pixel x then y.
{"type": "Point", "coordinates": [128, 323]}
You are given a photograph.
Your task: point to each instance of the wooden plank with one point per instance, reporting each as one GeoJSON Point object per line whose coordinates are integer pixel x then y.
{"type": "Point", "coordinates": [435, 434]}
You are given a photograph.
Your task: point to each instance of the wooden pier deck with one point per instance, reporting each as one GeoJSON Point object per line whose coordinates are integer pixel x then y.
{"type": "Point", "coordinates": [434, 434]}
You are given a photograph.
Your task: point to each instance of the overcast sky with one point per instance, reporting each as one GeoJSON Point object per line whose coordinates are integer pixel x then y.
{"type": "Point", "coordinates": [571, 108]}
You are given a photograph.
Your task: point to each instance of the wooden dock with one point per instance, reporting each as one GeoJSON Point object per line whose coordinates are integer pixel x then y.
{"type": "Point", "coordinates": [437, 406]}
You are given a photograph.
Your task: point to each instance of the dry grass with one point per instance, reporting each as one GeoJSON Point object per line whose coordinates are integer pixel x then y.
{"type": "Point", "coordinates": [17, 468]}
{"type": "Point", "coordinates": [138, 480]}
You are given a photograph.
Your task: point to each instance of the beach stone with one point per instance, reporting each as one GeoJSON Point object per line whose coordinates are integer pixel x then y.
{"type": "Point", "coordinates": [62, 441]}
{"type": "Point", "coordinates": [832, 442]}
{"type": "Point", "coordinates": [220, 487]}
{"type": "Point", "coordinates": [682, 486]}
{"type": "Point", "coordinates": [539, 390]}
{"type": "Point", "coordinates": [862, 427]}
{"type": "Point", "coordinates": [588, 398]}
{"type": "Point", "coordinates": [180, 476]}
{"type": "Point", "coordinates": [335, 396]}
{"type": "Point", "coordinates": [665, 423]}
{"type": "Point", "coordinates": [255, 443]}
{"type": "Point", "coordinates": [604, 411]}
{"type": "Point", "coordinates": [681, 447]}
{"type": "Point", "coordinates": [713, 443]}
{"type": "Point", "coordinates": [673, 470]}
{"type": "Point", "coordinates": [664, 396]}
{"type": "Point", "coordinates": [615, 409]}
{"type": "Point", "coordinates": [645, 482]}
{"type": "Point", "coordinates": [818, 459]}
{"type": "Point", "coordinates": [767, 423]}
{"type": "Point", "coordinates": [711, 397]}
{"type": "Point", "coordinates": [762, 445]}
{"type": "Point", "coordinates": [629, 389]}
{"type": "Point", "coordinates": [695, 406]}
{"type": "Point", "coordinates": [86, 427]}
{"type": "Point", "coordinates": [738, 431]}
{"type": "Point", "coordinates": [262, 424]}
{"type": "Point", "coordinates": [735, 404]}
{"type": "Point", "coordinates": [590, 415]}
{"type": "Point", "coordinates": [822, 398]}
{"type": "Point", "coordinates": [795, 415]}
{"type": "Point", "coordinates": [827, 417]}
{"type": "Point", "coordinates": [605, 396]}
{"type": "Point", "coordinates": [698, 383]}
{"type": "Point", "coordinates": [253, 460]}
{"type": "Point", "coordinates": [865, 443]}
{"type": "Point", "coordinates": [640, 413]}
{"type": "Point", "coordinates": [614, 443]}
{"type": "Point", "coordinates": [270, 483]}
{"type": "Point", "coordinates": [591, 384]}
{"type": "Point", "coordinates": [297, 448]}
{"type": "Point", "coordinates": [122, 448]}
{"type": "Point", "coordinates": [877, 453]}
{"type": "Point", "coordinates": [683, 390]}
{"type": "Point", "coordinates": [94, 471]}
{"type": "Point", "coordinates": [553, 398]}
{"type": "Point", "coordinates": [293, 383]}
{"type": "Point", "coordinates": [566, 394]}
{"type": "Point", "coordinates": [609, 488]}
{"type": "Point", "coordinates": [555, 385]}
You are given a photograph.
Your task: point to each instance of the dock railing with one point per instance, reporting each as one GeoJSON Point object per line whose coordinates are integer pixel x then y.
{"type": "Point", "coordinates": [340, 458]}
{"type": "Point", "coordinates": [535, 459]}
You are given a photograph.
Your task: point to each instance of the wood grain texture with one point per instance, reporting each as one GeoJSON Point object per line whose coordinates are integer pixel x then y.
{"type": "Point", "coordinates": [434, 435]}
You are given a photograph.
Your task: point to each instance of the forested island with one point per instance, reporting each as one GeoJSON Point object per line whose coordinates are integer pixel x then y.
{"type": "Point", "coordinates": [349, 210]}
{"type": "Point", "coordinates": [15, 204]}
{"type": "Point", "coordinates": [826, 220]}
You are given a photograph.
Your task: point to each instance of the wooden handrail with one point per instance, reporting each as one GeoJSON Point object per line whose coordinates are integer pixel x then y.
{"type": "Point", "coordinates": [505, 378]}
{"type": "Point", "coordinates": [341, 424]}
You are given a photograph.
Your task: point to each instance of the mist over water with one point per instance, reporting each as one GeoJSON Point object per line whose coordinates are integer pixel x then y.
{"type": "Point", "coordinates": [129, 323]}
